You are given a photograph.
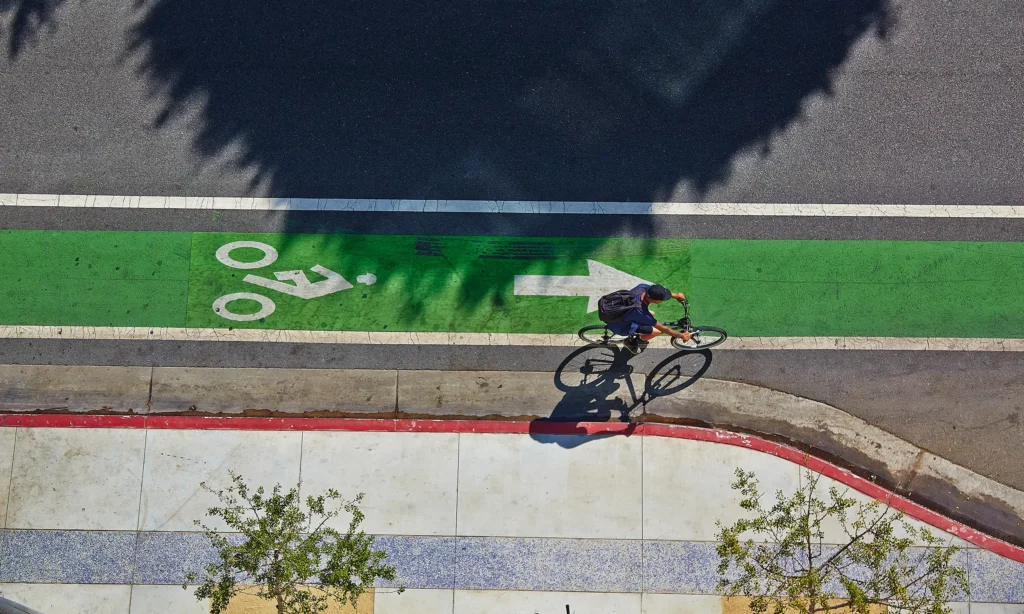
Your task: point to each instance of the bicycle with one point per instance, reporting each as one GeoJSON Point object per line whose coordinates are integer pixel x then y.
{"type": "Point", "coordinates": [701, 337]}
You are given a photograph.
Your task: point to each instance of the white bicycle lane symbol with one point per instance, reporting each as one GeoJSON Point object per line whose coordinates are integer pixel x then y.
{"type": "Point", "coordinates": [299, 285]}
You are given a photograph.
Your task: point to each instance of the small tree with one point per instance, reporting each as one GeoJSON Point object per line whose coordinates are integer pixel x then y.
{"type": "Point", "coordinates": [286, 554]}
{"type": "Point", "coordinates": [792, 569]}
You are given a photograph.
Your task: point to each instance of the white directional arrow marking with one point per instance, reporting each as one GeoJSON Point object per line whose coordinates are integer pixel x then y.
{"type": "Point", "coordinates": [601, 280]}
{"type": "Point", "coordinates": [301, 286]}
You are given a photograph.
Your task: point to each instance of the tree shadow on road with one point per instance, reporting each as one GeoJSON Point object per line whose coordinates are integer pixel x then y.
{"type": "Point", "coordinates": [24, 19]}
{"type": "Point", "coordinates": [600, 385]}
{"type": "Point", "coordinates": [408, 99]}
{"type": "Point", "coordinates": [563, 101]}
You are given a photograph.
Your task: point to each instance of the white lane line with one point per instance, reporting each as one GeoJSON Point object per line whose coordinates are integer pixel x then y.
{"type": "Point", "coordinates": [502, 206]}
{"type": "Point", "coordinates": [494, 339]}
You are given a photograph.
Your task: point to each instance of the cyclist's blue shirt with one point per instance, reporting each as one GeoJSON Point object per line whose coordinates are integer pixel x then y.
{"type": "Point", "coordinates": [637, 317]}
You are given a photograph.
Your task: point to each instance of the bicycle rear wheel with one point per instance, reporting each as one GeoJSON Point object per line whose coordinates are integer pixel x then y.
{"type": "Point", "coordinates": [701, 338]}
{"type": "Point", "coordinates": [600, 334]}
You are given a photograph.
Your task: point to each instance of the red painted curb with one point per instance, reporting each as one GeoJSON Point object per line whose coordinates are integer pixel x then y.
{"type": "Point", "coordinates": [535, 427]}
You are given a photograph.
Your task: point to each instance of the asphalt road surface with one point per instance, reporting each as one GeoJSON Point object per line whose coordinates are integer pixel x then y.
{"type": "Point", "coordinates": [835, 101]}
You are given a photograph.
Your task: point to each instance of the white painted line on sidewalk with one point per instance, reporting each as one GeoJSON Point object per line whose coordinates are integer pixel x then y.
{"type": "Point", "coordinates": [494, 339]}
{"type": "Point", "coordinates": [505, 206]}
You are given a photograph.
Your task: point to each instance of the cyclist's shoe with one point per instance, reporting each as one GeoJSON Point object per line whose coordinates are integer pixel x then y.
{"type": "Point", "coordinates": [634, 345]}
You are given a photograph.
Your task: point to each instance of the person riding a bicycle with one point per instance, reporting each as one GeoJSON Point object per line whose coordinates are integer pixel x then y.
{"type": "Point", "coordinates": [636, 322]}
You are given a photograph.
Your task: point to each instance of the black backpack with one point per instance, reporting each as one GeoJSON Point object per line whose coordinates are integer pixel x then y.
{"type": "Point", "coordinates": [612, 308]}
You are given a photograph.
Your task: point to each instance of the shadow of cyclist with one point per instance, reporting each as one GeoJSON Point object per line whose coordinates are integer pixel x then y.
{"type": "Point", "coordinates": [600, 384]}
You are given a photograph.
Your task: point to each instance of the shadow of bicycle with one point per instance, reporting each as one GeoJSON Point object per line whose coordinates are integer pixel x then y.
{"type": "Point", "coordinates": [677, 373]}
{"type": "Point", "coordinates": [600, 384]}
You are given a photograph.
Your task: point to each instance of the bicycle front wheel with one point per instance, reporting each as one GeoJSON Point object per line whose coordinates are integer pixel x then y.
{"type": "Point", "coordinates": [701, 338]}
{"type": "Point", "coordinates": [600, 334]}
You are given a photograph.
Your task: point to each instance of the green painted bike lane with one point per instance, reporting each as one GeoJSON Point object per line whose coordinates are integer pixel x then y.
{"type": "Point", "coordinates": [468, 284]}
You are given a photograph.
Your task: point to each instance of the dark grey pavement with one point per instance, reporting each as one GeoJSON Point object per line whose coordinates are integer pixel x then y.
{"type": "Point", "coordinates": [829, 101]}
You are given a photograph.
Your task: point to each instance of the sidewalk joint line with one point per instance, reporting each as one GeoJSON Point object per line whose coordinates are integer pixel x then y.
{"type": "Point", "coordinates": [149, 397]}
{"type": "Point", "coordinates": [142, 481]}
{"type": "Point", "coordinates": [643, 517]}
{"type": "Point", "coordinates": [397, 374]}
{"type": "Point", "coordinates": [302, 449]}
{"type": "Point", "coordinates": [914, 468]}
{"type": "Point", "coordinates": [138, 516]}
{"type": "Point", "coordinates": [455, 540]}
{"type": "Point", "coordinates": [10, 483]}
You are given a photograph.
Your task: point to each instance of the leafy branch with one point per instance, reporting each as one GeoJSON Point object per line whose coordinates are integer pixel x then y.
{"type": "Point", "coordinates": [779, 558]}
{"type": "Point", "coordinates": [286, 552]}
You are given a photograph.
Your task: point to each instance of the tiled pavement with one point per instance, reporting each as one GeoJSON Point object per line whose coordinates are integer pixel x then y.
{"type": "Point", "coordinates": [100, 520]}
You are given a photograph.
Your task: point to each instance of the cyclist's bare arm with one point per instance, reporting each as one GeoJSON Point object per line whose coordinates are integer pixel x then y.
{"type": "Point", "coordinates": [679, 296]}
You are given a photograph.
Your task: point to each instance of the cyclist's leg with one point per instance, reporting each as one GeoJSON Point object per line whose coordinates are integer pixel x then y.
{"type": "Point", "coordinates": [633, 337]}
{"type": "Point", "coordinates": [647, 332]}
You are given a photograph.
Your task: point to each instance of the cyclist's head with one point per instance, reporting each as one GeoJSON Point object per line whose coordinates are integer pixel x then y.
{"type": "Point", "coordinates": [657, 293]}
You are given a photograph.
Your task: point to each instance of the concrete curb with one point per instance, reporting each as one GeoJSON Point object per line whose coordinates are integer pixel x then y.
{"type": "Point", "coordinates": [826, 431]}
{"type": "Point", "coordinates": [819, 429]}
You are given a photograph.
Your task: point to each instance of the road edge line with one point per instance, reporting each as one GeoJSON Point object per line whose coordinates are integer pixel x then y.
{"type": "Point", "coordinates": [346, 337]}
{"type": "Point", "coordinates": [387, 205]}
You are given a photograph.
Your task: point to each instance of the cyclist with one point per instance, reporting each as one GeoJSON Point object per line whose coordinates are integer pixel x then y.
{"type": "Point", "coordinates": [639, 324]}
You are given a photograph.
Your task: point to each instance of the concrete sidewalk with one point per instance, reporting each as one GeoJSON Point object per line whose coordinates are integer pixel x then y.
{"type": "Point", "coordinates": [490, 517]}
{"type": "Point", "coordinates": [578, 392]}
